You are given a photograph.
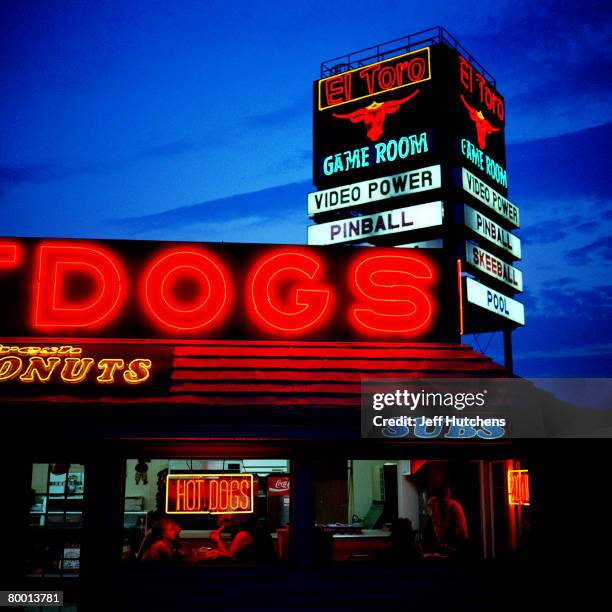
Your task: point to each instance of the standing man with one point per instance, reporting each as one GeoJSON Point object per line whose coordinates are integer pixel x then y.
{"type": "Point", "coordinates": [448, 521]}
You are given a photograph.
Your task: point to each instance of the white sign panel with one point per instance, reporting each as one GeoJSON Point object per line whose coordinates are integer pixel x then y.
{"type": "Point", "coordinates": [424, 244]}
{"type": "Point", "coordinates": [494, 301]}
{"type": "Point", "coordinates": [492, 232]}
{"type": "Point", "coordinates": [485, 194]}
{"type": "Point", "coordinates": [493, 266]}
{"type": "Point", "coordinates": [406, 183]}
{"type": "Point", "coordinates": [356, 229]}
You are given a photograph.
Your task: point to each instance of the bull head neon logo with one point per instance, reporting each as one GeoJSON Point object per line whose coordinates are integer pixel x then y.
{"type": "Point", "coordinates": [483, 126]}
{"type": "Point", "coordinates": [374, 115]}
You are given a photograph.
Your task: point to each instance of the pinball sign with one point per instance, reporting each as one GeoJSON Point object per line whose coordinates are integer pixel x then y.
{"type": "Point", "coordinates": [209, 494]}
{"type": "Point", "coordinates": [367, 227]}
{"type": "Point", "coordinates": [493, 233]}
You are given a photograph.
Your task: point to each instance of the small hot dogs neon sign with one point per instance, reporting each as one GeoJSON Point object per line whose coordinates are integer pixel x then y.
{"type": "Point", "coordinates": [209, 494]}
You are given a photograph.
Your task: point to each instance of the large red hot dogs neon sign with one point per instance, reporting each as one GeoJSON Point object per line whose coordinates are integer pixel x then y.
{"type": "Point", "coordinates": [68, 288]}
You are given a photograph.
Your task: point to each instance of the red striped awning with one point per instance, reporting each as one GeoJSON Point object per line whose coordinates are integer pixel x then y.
{"type": "Point", "coordinates": [255, 373]}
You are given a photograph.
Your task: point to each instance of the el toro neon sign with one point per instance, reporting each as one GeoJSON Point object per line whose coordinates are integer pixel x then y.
{"type": "Point", "coordinates": [209, 494]}
{"type": "Point", "coordinates": [125, 289]}
{"type": "Point", "coordinates": [389, 75]}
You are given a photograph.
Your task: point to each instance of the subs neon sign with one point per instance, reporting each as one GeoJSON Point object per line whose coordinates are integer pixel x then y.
{"type": "Point", "coordinates": [147, 289]}
{"type": "Point", "coordinates": [209, 494]}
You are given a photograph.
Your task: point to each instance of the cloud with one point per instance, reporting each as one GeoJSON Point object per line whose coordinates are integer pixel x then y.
{"type": "Point", "coordinates": [594, 303]}
{"type": "Point", "coordinates": [166, 150]}
{"type": "Point", "coordinates": [598, 249]}
{"type": "Point", "coordinates": [286, 203]}
{"type": "Point", "coordinates": [22, 175]}
{"type": "Point", "coordinates": [285, 229]}
{"type": "Point", "coordinates": [557, 229]}
{"type": "Point", "coordinates": [301, 160]}
{"type": "Point", "coordinates": [544, 233]}
{"type": "Point", "coordinates": [550, 63]}
{"type": "Point", "coordinates": [586, 350]}
{"type": "Point", "coordinates": [562, 167]}
{"type": "Point", "coordinates": [282, 116]}
{"type": "Point", "coordinates": [16, 174]}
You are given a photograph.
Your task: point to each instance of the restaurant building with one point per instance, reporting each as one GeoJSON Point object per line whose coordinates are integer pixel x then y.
{"type": "Point", "coordinates": [100, 427]}
{"type": "Point", "coordinates": [147, 381]}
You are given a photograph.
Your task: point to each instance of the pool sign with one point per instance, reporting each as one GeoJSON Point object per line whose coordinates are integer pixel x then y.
{"type": "Point", "coordinates": [494, 301]}
{"type": "Point", "coordinates": [488, 196]}
{"type": "Point", "coordinates": [492, 232]}
{"type": "Point", "coordinates": [365, 192]}
{"type": "Point", "coordinates": [358, 229]}
{"type": "Point", "coordinates": [487, 263]}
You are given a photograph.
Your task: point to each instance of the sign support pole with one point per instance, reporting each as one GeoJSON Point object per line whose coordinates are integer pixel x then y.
{"type": "Point", "coordinates": [508, 350]}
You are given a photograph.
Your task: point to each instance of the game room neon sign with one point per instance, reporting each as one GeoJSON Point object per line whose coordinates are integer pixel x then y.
{"type": "Point", "coordinates": [209, 494]}
{"type": "Point", "coordinates": [143, 289]}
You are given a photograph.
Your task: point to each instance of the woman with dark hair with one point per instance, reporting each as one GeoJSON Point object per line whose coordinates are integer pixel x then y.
{"type": "Point", "coordinates": [163, 544]}
{"type": "Point", "coordinates": [250, 540]}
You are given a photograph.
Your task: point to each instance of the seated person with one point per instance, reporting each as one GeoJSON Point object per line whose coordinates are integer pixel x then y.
{"type": "Point", "coordinates": [403, 547]}
{"type": "Point", "coordinates": [163, 545]}
{"type": "Point", "coordinates": [250, 541]}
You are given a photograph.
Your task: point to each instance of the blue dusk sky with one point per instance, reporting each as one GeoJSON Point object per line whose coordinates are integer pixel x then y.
{"type": "Point", "coordinates": [186, 120]}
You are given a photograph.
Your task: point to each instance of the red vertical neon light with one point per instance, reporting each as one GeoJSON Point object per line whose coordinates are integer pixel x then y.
{"type": "Point", "coordinates": [460, 289]}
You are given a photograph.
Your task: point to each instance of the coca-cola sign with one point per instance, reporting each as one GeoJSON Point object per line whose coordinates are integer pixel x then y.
{"type": "Point", "coordinates": [278, 485]}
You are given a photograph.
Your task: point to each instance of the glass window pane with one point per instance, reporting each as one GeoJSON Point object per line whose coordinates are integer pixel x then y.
{"type": "Point", "coordinates": [206, 510]}
{"type": "Point", "coordinates": [56, 509]}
